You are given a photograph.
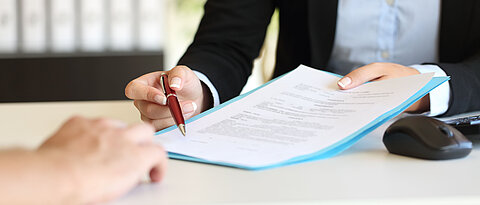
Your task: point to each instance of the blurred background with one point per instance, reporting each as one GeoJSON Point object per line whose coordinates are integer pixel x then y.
{"type": "Point", "coordinates": [77, 50]}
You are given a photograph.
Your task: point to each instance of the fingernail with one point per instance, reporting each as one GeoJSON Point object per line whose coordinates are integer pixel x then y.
{"type": "Point", "coordinates": [175, 82]}
{"type": "Point", "coordinates": [344, 82]}
{"type": "Point", "coordinates": [190, 108]}
{"type": "Point", "coordinates": [160, 99]}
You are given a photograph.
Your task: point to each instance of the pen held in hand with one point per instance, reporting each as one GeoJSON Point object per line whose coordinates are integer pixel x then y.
{"type": "Point", "coordinates": [173, 104]}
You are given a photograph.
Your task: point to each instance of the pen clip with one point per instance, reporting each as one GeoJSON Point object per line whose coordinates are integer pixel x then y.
{"type": "Point", "coordinates": [162, 83]}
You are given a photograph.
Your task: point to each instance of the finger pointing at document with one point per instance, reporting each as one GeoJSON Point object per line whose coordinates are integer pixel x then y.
{"type": "Point", "coordinates": [150, 100]}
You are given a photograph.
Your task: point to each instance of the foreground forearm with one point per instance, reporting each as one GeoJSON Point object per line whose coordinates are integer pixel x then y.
{"type": "Point", "coordinates": [29, 177]}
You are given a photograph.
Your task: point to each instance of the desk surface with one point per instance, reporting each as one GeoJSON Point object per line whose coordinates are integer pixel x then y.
{"type": "Point", "coordinates": [364, 174]}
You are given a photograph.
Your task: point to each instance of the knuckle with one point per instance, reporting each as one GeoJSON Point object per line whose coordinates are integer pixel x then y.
{"type": "Point", "coordinates": [102, 121]}
{"type": "Point", "coordinates": [76, 119]}
{"type": "Point", "coordinates": [150, 96]}
{"type": "Point", "coordinates": [181, 70]}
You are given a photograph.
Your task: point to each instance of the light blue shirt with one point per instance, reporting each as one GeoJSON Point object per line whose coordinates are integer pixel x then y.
{"type": "Point", "coordinates": [398, 31]}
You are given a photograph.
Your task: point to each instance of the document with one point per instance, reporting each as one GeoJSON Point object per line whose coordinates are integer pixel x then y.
{"type": "Point", "coordinates": [298, 117]}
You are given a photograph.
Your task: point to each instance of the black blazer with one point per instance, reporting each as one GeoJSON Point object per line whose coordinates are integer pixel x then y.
{"type": "Point", "coordinates": [231, 34]}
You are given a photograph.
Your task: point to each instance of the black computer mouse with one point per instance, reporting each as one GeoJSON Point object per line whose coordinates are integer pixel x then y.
{"type": "Point", "coordinates": [426, 138]}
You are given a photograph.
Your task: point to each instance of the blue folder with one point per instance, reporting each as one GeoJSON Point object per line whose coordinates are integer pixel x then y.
{"type": "Point", "coordinates": [327, 152]}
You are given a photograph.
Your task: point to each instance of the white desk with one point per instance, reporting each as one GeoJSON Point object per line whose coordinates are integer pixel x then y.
{"type": "Point", "coordinates": [364, 174]}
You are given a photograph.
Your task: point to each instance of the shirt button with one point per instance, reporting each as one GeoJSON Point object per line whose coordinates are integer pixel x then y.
{"type": "Point", "coordinates": [390, 2]}
{"type": "Point", "coordinates": [385, 54]}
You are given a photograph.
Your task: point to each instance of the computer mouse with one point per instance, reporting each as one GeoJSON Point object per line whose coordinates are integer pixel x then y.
{"type": "Point", "coordinates": [426, 138]}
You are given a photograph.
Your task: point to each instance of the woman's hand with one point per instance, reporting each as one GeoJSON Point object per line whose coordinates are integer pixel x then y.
{"type": "Point", "coordinates": [383, 71]}
{"type": "Point", "coordinates": [194, 97]}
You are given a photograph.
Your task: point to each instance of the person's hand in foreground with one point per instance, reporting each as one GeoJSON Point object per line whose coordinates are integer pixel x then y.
{"type": "Point", "coordinates": [194, 96]}
{"type": "Point", "coordinates": [85, 161]}
{"type": "Point", "coordinates": [383, 71]}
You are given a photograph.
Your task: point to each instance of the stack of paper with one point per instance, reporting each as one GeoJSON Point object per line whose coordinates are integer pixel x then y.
{"type": "Point", "coordinates": [298, 117]}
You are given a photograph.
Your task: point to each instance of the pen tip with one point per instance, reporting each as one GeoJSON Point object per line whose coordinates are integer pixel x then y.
{"type": "Point", "coordinates": [182, 129]}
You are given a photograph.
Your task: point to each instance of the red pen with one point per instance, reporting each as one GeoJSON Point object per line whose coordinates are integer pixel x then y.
{"type": "Point", "coordinates": [172, 103]}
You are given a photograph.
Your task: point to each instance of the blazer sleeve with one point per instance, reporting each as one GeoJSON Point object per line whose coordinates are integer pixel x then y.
{"type": "Point", "coordinates": [464, 85]}
{"type": "Point", "coordinates": [227, 41]}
